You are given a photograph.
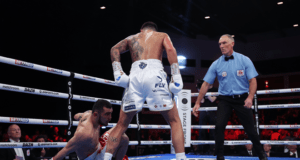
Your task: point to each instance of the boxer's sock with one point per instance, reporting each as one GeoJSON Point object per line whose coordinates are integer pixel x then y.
{"type": "Point", "coordinates": [107, 156]}
{"type": "Point", "coordinates": [180, 156]}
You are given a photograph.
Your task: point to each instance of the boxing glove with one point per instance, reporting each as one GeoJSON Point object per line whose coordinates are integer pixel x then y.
{"type": "Point", "coordinates": [120, 76]}
{"type": "Point", "coordinates": [176, 83]}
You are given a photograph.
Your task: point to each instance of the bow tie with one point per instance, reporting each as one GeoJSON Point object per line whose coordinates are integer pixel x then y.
{"type": "Point", "coordinates": [227, 58]}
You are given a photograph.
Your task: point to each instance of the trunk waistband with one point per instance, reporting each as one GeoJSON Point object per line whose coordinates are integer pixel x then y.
{"type": "Point", "coordinates": [143, 64]}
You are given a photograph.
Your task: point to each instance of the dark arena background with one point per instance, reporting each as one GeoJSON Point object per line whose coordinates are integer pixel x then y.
{"type": "Point", "coordinates": [77, 36]}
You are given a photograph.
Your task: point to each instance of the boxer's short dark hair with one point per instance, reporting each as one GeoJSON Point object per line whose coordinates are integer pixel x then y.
{"type": "Point", "coordinates": [99, 104]}
{"type": "Point", "coordinates": [150, 25]}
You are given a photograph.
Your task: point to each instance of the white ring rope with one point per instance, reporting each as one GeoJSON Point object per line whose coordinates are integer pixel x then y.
{"type": "Point", "coordinates": [274, 142]}
{"type": "Point", "coordinates": [19, 120]}
{"type": "Point", "coordinates": [33, 66]}
{"type": "Point", "coordinates": [47, 93]}
{"type": "Point", "coordinates": [51, 93]}
{"type": "Point", "coordinates": [41, 144]}
{"type": "Point", "coordinates": [142, 126]}
{"type": "Point", "coordinates": [273, 91]}
{"type": "Point", "coordinates": [35, 121]}
{"type": "Point", "coordinates": [289, 126]}
{"type": "Point", "coordinates": [273, 106]}
{"type": "Point", "coordinates": [62, 144]}
{"type": "Point", "coordinates": [207, 94]}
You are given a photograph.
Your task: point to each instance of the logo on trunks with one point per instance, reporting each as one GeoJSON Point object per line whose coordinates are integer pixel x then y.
{"type": "Point", "coordinates": [25, 64]}
{"type": "Point", "coordinates": [54, 70]}
{"type": "Point", "coordinates": [131, 107]}
{"type": "Point", "coordinates": [160, 79]}
{"type": "Point", "coordinates": [160, 85]}
{"type": "Point", "coordinates": [29, 90]}
{"type": "Point", "coordinates": [142, 65]}
{"type": "Point", "coordinates": [128, 101]}
{"type": "Point", "coordinates": [21, 120]}
{"type": "Point", "coordinates": [158, 90]}
{"type": "Point", "coordinates": [155, 106]}
{"type": "Point", "coordinates": [165, 105]}
{"type": "Point", "coordinates": [240, 73]}
{"type": "Point", "coordinates": [224, 74]}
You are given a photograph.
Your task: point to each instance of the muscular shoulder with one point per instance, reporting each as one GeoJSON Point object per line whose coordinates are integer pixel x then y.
{"type": "Point", "coordinates": [132, 36]}
{"type": "Point", "coordinates": [80, 135]}
{"type": "Point", "coordinates": [83, 133]}
{"type": "Point", "coordinates": [162, 34]}
{"type": "Point", "coordinates": [84, 117]}
{"type": "Point", "coordinates": [86, 114]}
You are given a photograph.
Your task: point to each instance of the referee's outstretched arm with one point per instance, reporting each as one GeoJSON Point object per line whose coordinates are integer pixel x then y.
{"type": "Point", "coordinates": [202, 93]}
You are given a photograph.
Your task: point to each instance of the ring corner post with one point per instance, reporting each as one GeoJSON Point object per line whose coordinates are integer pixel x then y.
{"type": "Point", "coordinates": [256, 113]}
{"type": "Point", "coordinates": [184, 110]}
{"type": "Point", "coordinates": [71, 156]}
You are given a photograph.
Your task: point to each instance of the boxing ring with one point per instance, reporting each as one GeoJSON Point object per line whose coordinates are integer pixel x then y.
{"type": "Point", "coordinates": [183, 104]}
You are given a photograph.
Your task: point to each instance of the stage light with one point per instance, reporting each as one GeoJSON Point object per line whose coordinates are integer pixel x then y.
{"type": "Point", "coordinates": [181, 61]}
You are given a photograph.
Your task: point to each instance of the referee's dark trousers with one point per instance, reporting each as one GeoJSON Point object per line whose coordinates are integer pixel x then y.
{"type": "Point", "coordinates": [225, 106]}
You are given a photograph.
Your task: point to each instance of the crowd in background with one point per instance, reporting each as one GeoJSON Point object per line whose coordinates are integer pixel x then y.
{"type": "Point", "coordinates": [267, 117]}
{"type": "Point", "coordinates": [280, 117]}
{"type": "Point", "coordinates": [51, 134]}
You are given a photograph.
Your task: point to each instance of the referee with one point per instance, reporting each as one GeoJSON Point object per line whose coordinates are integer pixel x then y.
{"type": "Point", "coordinates": [236, 75]}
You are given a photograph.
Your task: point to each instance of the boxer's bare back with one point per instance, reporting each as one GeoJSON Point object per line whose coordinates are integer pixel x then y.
{"type": "Point", "coordinates": [85, 140]}
{"type": "Point", "coordinates": [89, 135]}
{"type": "Point", "coordinates": [147, 44]}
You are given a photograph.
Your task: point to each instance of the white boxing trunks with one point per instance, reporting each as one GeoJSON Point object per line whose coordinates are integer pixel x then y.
{"type": "Point", "coordinates": [97, 155]}
{"type": "Point", "coordinates": [147, 82]}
